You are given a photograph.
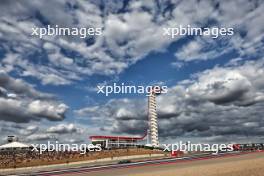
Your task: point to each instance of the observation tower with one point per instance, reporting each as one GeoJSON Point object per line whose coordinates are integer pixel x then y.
{"type": "Point", "coordinates": [152, 116]}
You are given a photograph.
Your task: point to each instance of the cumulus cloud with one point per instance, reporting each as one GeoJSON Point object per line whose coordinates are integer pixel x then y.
{"type": "Point", "coordinates": [29, 130]}
{"type": "Point", "coordinates": [219, 102]}
{"type": "Point", "coordinates": [200, 106]}
{"type": "Point", "coordinates": [63, 129]}
{"type": "Point", "coordinates": [240, 15]}
{"type": "Point", "coordinates": [18, 86]}
{"type": "Point", "coordinates": [239, 86]}
{"type": "Point", "coordinates": [203, 48]}
{"type": "Point", "coordinates": [64, 59]}
{"type": "Point", "coordinates": [41, 137]}
{"type": "Point", "coordinates": [21, 102]}
{"type": "Point", "coordinates": [38, 131]}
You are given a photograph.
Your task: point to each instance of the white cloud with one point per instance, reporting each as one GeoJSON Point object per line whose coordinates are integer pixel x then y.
{"type": "Point", "coordinates": [41, 137]}
{"type": "Point", "coordinates": [47, 109]}
{"type": "Point", "coordinates": [217, 102]}
{"type": "Point", "coordinates": [203, 48]}
{"type": "Point", "coordinates": [63, 129]}
{"type": "Point", "coordinates": [29, 130]}
{"type": "Point", "coordinates": [21, 102]}
{"type": "Point", "coordinates": [127, 36]}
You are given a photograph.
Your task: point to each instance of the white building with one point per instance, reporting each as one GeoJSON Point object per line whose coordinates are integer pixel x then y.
{"type": "Point", "coordinates": [14, 145]}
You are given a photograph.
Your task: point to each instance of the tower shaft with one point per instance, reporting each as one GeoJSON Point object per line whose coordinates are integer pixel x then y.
{"type": "Point", "coordinates": [152, 117]}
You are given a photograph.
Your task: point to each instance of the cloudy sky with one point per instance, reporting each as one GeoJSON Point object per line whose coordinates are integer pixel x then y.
{"type": "Point", "coordinates": [215, 86]}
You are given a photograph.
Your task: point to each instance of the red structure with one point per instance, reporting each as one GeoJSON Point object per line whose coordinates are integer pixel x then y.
{"type": "Point", "coordinates": [109, 142]}
{"type": "Point", "coordinates": [176, 153]}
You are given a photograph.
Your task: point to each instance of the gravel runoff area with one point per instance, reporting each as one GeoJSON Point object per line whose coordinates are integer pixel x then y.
{"type": "Point", "coordinates": [242, 165]}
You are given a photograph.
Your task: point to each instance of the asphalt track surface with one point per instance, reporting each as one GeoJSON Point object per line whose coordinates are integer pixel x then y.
{"type": "Point", "coordinates": [124, 169]}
